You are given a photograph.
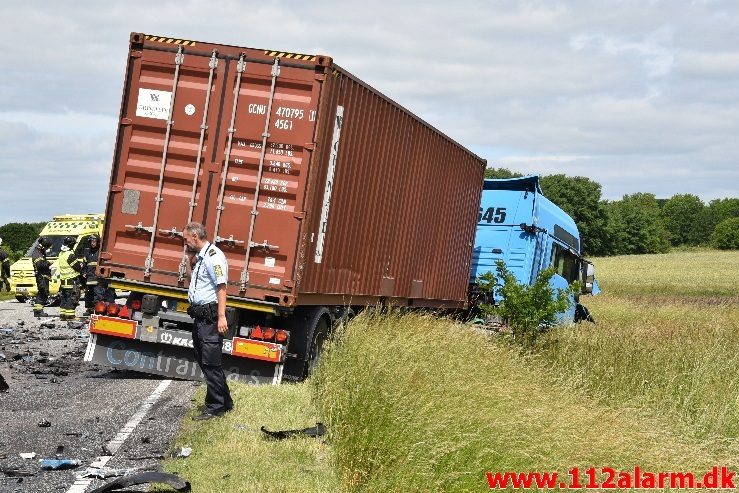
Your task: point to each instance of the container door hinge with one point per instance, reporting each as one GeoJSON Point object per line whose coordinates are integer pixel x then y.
{"type": "Point", "coordinates": [126, 121]}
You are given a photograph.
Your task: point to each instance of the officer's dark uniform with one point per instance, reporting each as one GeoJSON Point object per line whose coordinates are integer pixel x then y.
{"type": "Point", "coordinates": [42, 269]}
{"type": "Point", "coordinates": [4, 269]}
{"type": "Point", "coordinates": [209, 271]}
{"type": "Point", "coordinates": [69, 268]}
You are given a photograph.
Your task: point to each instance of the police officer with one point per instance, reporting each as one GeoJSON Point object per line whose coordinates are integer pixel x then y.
{"type": "Point", "coordinates": [69, 268]}
{"type": "Point", "coordinates": [42, 270]}
{"type": "Point", "coordinates": [4, 268]}
{"type": "Point", "coordinates": [207, 295]}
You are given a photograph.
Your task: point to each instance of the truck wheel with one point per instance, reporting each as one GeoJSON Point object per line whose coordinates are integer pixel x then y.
{"type": "Point", "coordinates": [307, 336]}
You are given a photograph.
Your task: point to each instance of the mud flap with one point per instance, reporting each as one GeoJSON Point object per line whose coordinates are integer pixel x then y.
{"type": "Point", "coordinates": [174, 361]}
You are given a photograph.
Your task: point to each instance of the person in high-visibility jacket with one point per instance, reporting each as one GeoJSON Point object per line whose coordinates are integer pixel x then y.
{"type": "Point", "coordinates": [4, 268]}
{"type": "Point", "coordinates": [70, 267]}
{"type": "Point", "coordinates": [94, 288]}
{"type": "Point", "coordinates": [42, 271]}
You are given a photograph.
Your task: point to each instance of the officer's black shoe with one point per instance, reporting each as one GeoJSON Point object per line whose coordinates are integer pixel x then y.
{"type": "Point", "coordinates": [206, 416]}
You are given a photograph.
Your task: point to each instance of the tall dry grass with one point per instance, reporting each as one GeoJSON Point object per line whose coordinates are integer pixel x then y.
{"type": "Point", "coordinates": [419, 403]}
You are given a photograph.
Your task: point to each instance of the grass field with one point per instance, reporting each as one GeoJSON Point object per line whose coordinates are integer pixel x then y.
{"type": "Point", "coordinates": [419, 403]}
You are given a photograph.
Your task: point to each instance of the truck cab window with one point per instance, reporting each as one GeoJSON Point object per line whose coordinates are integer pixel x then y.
{"type": "Point", "coordinates": [565, 263]}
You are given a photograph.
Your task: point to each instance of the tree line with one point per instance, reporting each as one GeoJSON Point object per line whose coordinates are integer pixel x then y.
{"type": "Point", "coordinates": [639, 222]}
{"type": "Point", "coordinates": [18, 238]}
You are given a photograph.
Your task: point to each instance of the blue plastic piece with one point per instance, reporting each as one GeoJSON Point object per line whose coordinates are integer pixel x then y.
{"type": "Point", "coordinates": [59, 464]}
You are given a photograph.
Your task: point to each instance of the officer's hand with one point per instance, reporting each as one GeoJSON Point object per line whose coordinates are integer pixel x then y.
{"type": "Point", "coordinates": [222, 325]}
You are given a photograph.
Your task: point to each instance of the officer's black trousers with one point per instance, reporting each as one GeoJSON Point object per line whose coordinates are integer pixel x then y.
{"type": "Point", "coordinates": [207, 343]}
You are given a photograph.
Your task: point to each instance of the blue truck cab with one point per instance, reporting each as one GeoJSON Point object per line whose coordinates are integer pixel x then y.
{"type": "Point", "coordinates": [528, 232]}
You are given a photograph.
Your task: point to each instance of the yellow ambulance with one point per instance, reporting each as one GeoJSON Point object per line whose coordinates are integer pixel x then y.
{"type": "Point", "coordinates": [79, 226]}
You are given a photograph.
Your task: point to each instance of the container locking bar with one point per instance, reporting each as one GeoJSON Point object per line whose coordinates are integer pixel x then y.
{"type": "Point", "coordinates": [149, 263]}
{"type": "Point", "coordinates": [244, 279]}
{"type": "Point", "coordinates": [240, 68]}
{"type": "Point", "coordinates": [140, 228]}
{"type": "Point", "coordinates": [230, 241]}
{"type": "Point", "coordinates": [182, 270]}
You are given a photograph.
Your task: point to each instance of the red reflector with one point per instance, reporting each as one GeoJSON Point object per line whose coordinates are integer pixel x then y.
{"type": "Point", "coordinates": [281, 337]}
{"type": "Point", "coordinates": [112, 309]}
{"type": "Point", "coordinates": [100, 307]}
{"type": "Point", "coordinates": [136, 305]}
{"type": "Point", "coordinates": [256, 333]}
{"type": "Point", "coordinates": [268, 334]}
{"type": "Point", "coordinates": [124, 312]}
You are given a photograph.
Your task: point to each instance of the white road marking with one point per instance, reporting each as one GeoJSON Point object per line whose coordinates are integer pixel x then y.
{"type": "Point", "coordinates": [81, 485]}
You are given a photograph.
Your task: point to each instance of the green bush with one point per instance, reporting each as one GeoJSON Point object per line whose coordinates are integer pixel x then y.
{"type": "Point", "coordinates": [726, 234]}
{"type": "Point", "coordinates": [525, 309]}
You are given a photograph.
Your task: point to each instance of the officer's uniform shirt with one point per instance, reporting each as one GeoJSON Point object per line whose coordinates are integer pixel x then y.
{"type": "Point", "coordinates": [210, 270]}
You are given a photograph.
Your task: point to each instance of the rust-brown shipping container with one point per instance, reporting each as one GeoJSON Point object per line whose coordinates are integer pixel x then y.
{"type": "Point", "coordinates": [319, 189]}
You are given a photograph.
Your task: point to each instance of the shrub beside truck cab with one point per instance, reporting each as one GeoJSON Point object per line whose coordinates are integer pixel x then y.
{"type": "Point", "coordinates": [529, 233]}
{"type": "Point", "coordinates": [78, 226]}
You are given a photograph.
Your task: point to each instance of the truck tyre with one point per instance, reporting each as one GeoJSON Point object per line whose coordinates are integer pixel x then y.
{"type": "Point", "coordinates": [307, 337]}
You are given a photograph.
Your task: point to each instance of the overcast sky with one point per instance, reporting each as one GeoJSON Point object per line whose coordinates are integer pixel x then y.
{"type": "Point", "coordinates": [640, 96]}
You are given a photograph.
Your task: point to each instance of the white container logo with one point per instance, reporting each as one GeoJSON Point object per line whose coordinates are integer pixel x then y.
{"type": "Point", "coordinates": [329, 183]}
{"type": "Point", "coordinates": [153, 104]}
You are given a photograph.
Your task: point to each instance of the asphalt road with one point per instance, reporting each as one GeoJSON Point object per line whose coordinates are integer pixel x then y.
{"type": "Point", "coordinates": [86, 405]}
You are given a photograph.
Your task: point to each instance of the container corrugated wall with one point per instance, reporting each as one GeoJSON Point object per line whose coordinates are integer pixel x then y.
{"type": "Point", "coordinates": [403, 205]}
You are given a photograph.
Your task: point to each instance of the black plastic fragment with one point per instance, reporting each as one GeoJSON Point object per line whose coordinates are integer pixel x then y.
{"type": "Point", "coordinates": [315, 431]}
{"type": "Point", "coordinates": [172, 480]}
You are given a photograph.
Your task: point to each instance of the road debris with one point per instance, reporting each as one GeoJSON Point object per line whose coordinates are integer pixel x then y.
{"type": "Point", "coordinates": [59, 464]}
{"type": "Point", "coordinates": [44, 424]}
{"type": "Point", "coordinates": [108, 472]}
{"type": "Point", "coordinates": [172, 480]}
{"type": "Point", "coordinates": [315, 431]}
{"type": "Point", "coordinates": [182, 452]}
{"type": "Point", "coordinates": [27, 455]}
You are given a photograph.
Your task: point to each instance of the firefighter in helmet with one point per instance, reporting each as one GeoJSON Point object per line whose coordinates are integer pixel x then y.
{"type": "Point", "coordinates": [69, 268]}
{"type": "Point", "coordinates": [4, 268]}
{"type": "Point", "coordinates": [93, 292]}
{"type": "Point", "coordinates": [42, 271]}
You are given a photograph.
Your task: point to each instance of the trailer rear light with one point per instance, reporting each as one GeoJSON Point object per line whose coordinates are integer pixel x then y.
{"type": "Point", "coordinates": [124, 312]}
{"type": "Point", "coordinates": [256, 333]}
{"type": "Point", "coordinates": [268, 334]}
{"type": "Point", "coordinates": [281, 336]}
{"type": "Point", "coordinates": [112, 310]}
{"type": "Point", "coordinates": [100, 307]}
{"type": "Point", "coordinates": [136, 305]}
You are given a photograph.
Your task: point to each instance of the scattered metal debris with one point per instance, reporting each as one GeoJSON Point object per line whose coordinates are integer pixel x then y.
{"type": "Point", "coordinates": [107, 472]}
{"type": "Point", "coordinates": [172, 480]}
{"type": "Point", "coordinates": [314, 432]}
{"type": "Point", "coordinates": [44, 423]}
{"type": "Point", "coordinates": [14, 472]}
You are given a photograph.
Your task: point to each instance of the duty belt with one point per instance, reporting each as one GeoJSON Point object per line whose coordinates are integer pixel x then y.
{"type": "Point", "coordinates": [206, 311]}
